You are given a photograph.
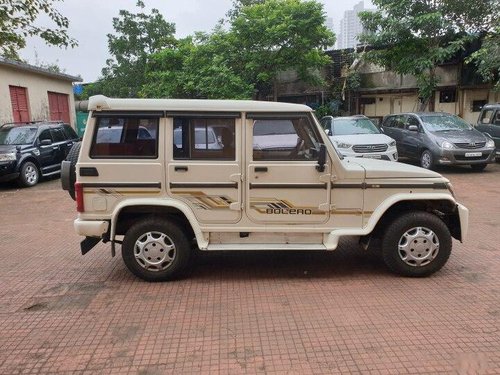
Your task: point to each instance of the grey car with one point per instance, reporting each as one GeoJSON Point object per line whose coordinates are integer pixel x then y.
{"type": "Point", "coordinates": [489, 124]}
{"type": "Point", "coordinates": [436, 138]}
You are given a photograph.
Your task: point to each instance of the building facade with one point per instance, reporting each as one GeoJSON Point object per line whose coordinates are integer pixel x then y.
{"type": "Point", "coordinates": [29, 93]}
{"type": "Point", "coordinates": [350, 27]}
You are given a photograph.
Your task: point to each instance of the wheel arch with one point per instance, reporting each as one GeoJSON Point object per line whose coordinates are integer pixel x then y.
{"type": "Point", "coordinates": [26, 159]}
{"type": "Point", "coordinates": [126, 213]}
{"type": "Point", "coordinates": [442, 205]}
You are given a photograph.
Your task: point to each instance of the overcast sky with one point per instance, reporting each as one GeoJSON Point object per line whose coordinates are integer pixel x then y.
{"type": "Point", "coordinates": [91, 20]}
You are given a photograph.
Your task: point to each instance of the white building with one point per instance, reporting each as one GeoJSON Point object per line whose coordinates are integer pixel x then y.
{"type": "Point", "coordinates": [350, 27]}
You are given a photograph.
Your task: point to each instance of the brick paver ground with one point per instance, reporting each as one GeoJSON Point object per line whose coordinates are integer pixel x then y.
{"type": "Point", "coordinates": [272, 313]}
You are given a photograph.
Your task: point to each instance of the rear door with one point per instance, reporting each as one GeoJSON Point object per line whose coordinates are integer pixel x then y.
{"type": "Point", "coordinates": [204, 164]}
{"type": "Point", "coordinates": [412, 141]}
{"type": "Point", "coordinates": [282, 182]}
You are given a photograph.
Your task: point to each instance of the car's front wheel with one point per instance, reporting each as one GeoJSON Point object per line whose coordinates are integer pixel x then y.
{"type": "Point", "coordinates": [426, 160]}
{"type": "Point", "coordinates": [29, 174]}
{"type": "Point", "coordinates": [156, 249]}
{"type": "Point", "coordinates": [416, 244]}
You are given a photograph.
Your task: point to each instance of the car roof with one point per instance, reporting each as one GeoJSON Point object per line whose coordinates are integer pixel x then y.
{"type": "Point", "coordinates": [103, 103]}
{"type": "Point", "coordinates": [34, 124]}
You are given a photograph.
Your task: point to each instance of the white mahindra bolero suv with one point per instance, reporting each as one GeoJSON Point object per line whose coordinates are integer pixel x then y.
{"type": "Point", "coordinates": [245, 175]}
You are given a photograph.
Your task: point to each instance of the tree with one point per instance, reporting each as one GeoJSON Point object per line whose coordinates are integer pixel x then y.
{"type": "Point", "coordinates": [137, 36]}
{"type": "Point", "coordinates": [280, 35]}
{"type": "Point", "coordinates": [414, 36]}
{"type": "Point", "coordinates": [18, 21]}
{"type": "Point", "coordinates": [196, 67]}
{"type": "Point", "coordinates": [487, 58]}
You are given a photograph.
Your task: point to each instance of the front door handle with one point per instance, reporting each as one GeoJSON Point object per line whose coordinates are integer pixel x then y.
{"type": "Point", "coordinates": [260, 169]}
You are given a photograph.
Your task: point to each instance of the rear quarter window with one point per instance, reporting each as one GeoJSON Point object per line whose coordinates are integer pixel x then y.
{"type": "Point", "coordinates": [125, 137]}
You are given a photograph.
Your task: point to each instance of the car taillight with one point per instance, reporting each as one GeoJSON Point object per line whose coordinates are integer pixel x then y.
{"type": "Point", "coordinates": [79, 197]}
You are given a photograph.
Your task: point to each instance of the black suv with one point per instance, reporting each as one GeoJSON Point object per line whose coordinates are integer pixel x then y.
{"type": "Point", "coordinates": [29, 150]}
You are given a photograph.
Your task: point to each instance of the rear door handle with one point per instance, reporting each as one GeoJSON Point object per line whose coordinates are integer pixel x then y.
{"type": "Point", "coordinates": [181, 168]}
{"type": "Point", "coordinates": [260, 169]}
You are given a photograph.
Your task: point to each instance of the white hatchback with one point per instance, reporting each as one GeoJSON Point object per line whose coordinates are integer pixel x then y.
{"type": "Point", "coordinates": [357, 136]}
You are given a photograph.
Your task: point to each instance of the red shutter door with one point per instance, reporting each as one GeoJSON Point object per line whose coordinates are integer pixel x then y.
{"type": "Point", "coordinates": [19, 100]}
{"type": "Point", "coordinates": [58, 107]}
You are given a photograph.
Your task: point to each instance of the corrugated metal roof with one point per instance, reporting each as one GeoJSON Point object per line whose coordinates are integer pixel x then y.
{"type": "Point", "coordinates": [37, 70]}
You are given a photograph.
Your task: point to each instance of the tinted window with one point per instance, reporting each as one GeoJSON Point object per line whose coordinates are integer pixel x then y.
{"type": "Point", "coordinates": [284, 139]}
{"type": "Point", "coordinates": [17, 135]}
{"type": "Point", "coordinates": [486, 116]}
{"type": "Point", "coordinates": [496, 120]}
{"type": "Point", "coordinates": [125, 137]}
{"type": "Point", "coordinates": [58, 135]}
{"type": "Point", "coordinates": [70, 133]}
{"type": "Point", "coordinates": [45, 135]}
{"type": "Point", "coordinates": [412, 121]}
{"type": "Point", "coordinates": [344, 126]}
{"type": "Point", "coordinates": [199, 139]}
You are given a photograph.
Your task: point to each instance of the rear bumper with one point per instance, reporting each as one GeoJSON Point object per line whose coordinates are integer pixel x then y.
{"type": "Point", "coordinates": [91, 228]}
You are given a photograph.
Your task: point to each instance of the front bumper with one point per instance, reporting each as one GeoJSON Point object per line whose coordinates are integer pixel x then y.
{"type": "Point", "coordinates": [8, 171]}
{"type": "Point", "coordinates": [461, 156]}
{"type": "Point", "coordinates": [391, 154]}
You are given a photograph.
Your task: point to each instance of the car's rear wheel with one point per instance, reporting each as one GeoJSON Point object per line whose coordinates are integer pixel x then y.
{"type": "Point", "coordinates": [156, 249]}
{"type": "Point", "coordinates": [478, 167]}
{"type": "Point", "coordinates": [29, 174]}
{"type": "Point", "coordinates": [416, 244]}
{"type": "Point", "coordinates": [426, 160]}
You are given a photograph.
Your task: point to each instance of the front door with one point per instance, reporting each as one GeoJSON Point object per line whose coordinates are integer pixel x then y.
{"type": "Point", "coordinates": [282, 183]}
{"type": "Point", "coordinates": [204, 168]}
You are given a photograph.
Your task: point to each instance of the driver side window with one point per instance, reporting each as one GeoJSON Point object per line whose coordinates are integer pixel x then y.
{"type": "Point", "coordinates": [284, 139]}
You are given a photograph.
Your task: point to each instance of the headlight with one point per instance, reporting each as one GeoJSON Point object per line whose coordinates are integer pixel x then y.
{"type": "Point", "coordinates": [392, 144]}
{"type": "Point", "coordinates": [11, 156]}
{"type": "Point", "coordinates": [490, 143]}
{"type": "Point", "coordinates": [343, 145]}
{"type": "Point", "coordinates": [447, 145]}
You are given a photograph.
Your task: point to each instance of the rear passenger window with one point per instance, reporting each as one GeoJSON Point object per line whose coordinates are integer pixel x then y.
{"type": "Point", "coordinates": [199, 139]}
{"type": "Point", "coordinates": [58, 135]}
{"type": "Point", "coordinates": [70, 133]}
{"type": "Point", "coordinates": [125, 137]}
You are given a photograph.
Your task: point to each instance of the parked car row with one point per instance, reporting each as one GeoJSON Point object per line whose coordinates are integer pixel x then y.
{"type": "Point", "coordinates": [431, 138]}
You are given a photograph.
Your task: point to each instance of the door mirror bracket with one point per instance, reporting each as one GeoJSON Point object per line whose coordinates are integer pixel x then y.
{"type": "Point", "coordinates": [320, 167]}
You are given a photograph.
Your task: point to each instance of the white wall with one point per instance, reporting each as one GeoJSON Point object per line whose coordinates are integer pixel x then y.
{"type": "Point", "coordinates": [37, 87]}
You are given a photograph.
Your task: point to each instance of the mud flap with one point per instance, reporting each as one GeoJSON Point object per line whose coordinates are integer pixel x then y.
{"type": "Point", "coordinates": [88, 244]}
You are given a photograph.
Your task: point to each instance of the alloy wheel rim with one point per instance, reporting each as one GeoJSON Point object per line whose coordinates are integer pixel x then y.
{"type": "Point", "coordinates": [154, 251]}
{"type": "Point", "coordinates": [31, 174]}
{"type": "Point", "coordinates": [426, 160]}
{"type": "Point", "coordinates": [418, 246]}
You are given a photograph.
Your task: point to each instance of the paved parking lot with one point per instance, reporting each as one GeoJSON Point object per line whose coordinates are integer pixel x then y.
{"type": "Point", "coordinates": [272, 313]}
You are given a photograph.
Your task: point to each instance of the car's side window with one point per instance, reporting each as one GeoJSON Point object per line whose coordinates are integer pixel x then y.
{"type": "Point", "coordinates": [204, 138]}
{"type": "Point", "coordinates": [388, 121]}
{"type": "Point", "coordinates": [58, 135]}
{"type": "Point", "coordinates": [284, 139]}
{"type": "Point", "coordinates": [496, 120]}
{"type": "Point", "coordinates": [45, 135]}
{"type": "Point", "coordinates": [125, 137]}
{"type": "Point", "coordinates": [412, 121]}
{"type": "Point", "coordinates": [486, 116]}
{"type": "Point", "coordinates": [70, 133]}
{"type": "Point", "coordinates": [399, 122]}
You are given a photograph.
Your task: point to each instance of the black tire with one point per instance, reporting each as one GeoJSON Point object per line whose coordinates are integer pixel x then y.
{"type": "Point", "coordinates": [73, 159]}
{"type": "Point", "coordinates": [157, 267]}
{"type": "Point", "coordinates": [478, 167]}
{"type": "Point", "coordinates": [426, 160]}
{"type": "Point", "coordinates": [29, 174]}
{"type": "Point", "coordinates": [431, 259]}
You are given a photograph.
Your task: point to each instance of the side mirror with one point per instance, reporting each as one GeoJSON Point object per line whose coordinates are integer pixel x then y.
{"type": "Point", "coordinates": [413, 128]}
{"type": "Point", "coordinates": [320, 167]}
{"type": "Point", "coordinates": [45, 142]}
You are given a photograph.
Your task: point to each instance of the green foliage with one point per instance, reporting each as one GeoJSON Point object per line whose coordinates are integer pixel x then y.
{"type": "Point", "coordinates": [414, 36]}
{"type": "Point", "coordinates": [137, 36]}
{"type": "Point", "coordinates": [487, 58]}
{"type": "Point", "coordinates": [279, 35]}
{"type": "Point", "coordinates": [18, 21]}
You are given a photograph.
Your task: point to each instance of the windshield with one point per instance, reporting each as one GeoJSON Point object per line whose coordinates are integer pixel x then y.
{"type": "Point", "coordinates": [354, 126]}
{"type": "Point", "coordinates": [444, 123]}
{"type": "Point", "coordinates": [17, 135]}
